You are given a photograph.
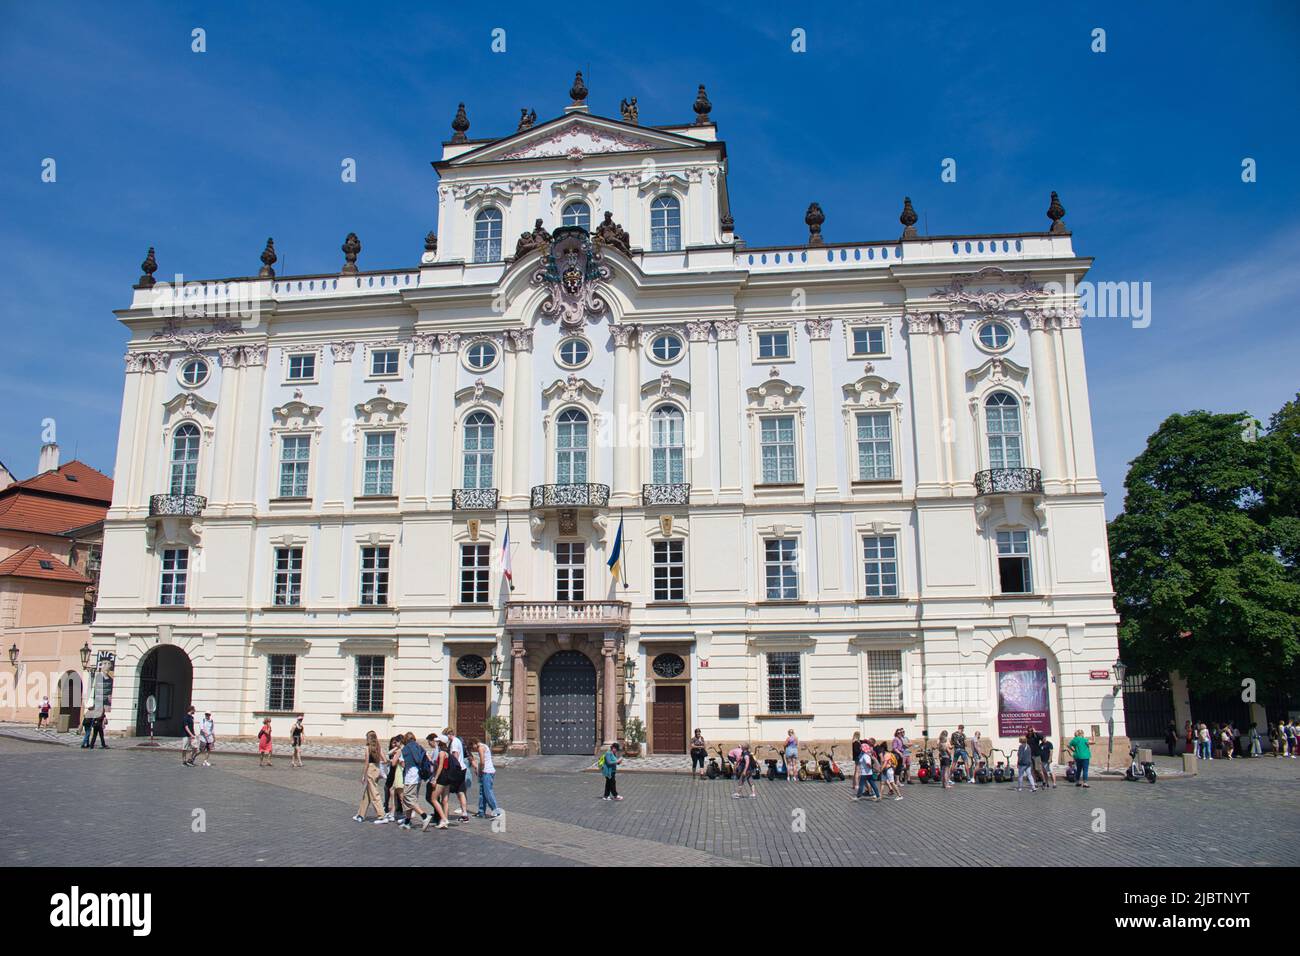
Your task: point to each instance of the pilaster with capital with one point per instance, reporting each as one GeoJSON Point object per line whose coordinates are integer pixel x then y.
{"type": "Point", "coordinates": [824, 414]}
{"type": "Point", "coordinates": [415, 485]}
{"type": "Point", "coordinates": [625, 412]}
{"type": "Point", "coordinates": [928, 409]}
{"type": "Point", "coordinates": [250, 406]}
{"type": "Point", "coordinates": [444, 419]}
{"type": "Point", "coordinates": [1045, 389]}
{"type": "Point", "coordinates": [703, 413]}
{"type": "Point", "coordinates": [522, 419]}
{"type": "Point", "coordinates": [1077, 421]}
{"type": "Point", "coordinates": [731, 449]}
{"type": "Point", "coordinates": [338, 450]}
{"type": "Point", "coordinates": [959, 429]}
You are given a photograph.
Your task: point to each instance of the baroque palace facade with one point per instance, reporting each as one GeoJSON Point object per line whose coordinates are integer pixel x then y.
{"type": "Point", "coordinates": [855, 483]}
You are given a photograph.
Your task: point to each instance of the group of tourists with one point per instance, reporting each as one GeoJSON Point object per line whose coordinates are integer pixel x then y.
{"type": "Point", "coordinates": [442, 766]}
{"type": "Point", "coordinates": [200, 741]}
{"type": "Point", "coordinates": [1227, 742]}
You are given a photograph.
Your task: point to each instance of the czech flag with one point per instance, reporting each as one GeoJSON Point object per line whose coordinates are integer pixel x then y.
{"type": "Point", "coordinates": [615, 561]}
{"type": "Point", "coordinates": [505, 559]}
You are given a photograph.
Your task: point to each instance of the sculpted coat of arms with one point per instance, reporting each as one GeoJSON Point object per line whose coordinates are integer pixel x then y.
{"type": "Point", "coordinates": [570, 271]}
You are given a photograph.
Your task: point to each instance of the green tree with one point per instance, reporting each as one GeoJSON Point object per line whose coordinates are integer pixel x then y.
{"type": "Point", "coordinates": [1202, 583]}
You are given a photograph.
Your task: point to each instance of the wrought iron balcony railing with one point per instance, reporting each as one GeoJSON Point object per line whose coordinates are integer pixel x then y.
{"type": "Point", "coordinates": [176, 506]}
{"type": "Point", "coordinates": [569, 496]}
{"type": "Point", "coordinates": [474, 499]}
{"type": "Point", "coordinates": [1009, 481]}
{"type": "Point", "coordinates": [567, 615]}
{"type": "Point", "coordinates": [666, 494]}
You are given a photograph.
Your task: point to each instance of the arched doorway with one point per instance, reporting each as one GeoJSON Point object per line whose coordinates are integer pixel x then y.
{"type": "Point", "coordinates": [568, 712]}
{"type": "Point", "coordinates": [1026, 692]}
{"type": "Point", "coordinates": [167, 674]}
{"type": "Point", "coordinates": [70, 698]}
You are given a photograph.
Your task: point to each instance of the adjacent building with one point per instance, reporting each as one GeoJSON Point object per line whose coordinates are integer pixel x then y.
{"type": "Point", "coordinates": [850, 486]}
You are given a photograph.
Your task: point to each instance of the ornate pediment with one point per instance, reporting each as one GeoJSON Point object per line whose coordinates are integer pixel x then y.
{"type": "Point", "coordinates": [773, 395]}
{"type": "Point", "coordinates": [962, 289]}
{"type": "Point", "coordinates": [296, 415]}
{"type": "Point", "coordinates": [574, 137]}
{"type": "Point", "coordinates": [480, 393]}
{"type": "Point", "coordinates": [572, 271]}
{"type": "Point", "coordinates": [998, 371]}
{"type": "Point", "coordinates": [187, 406]}
{"type": "Point", "coordinates": [665, 386]}
{"type": "Point", "coordinates": [572, 389]}
{"type": "Point", "coordinates": [871, 390]}
{"type": "Point", "coordinates": [380, 410]}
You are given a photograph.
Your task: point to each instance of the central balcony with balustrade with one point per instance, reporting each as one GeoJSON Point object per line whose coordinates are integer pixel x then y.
{"type": "Point", "coordinates": [555, 497]}
{"type": "Point", "coordinates": [475, 499]}
{"type": "Point", "coordinates": [568, 616]}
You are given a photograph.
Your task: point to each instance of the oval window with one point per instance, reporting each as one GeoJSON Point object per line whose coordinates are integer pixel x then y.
{"type": "Point", "coordinates": [574, 352]}
{"type": "Point", "coordinates": [471, 666]}
{"type": "Point", "coordinates": [665, 348]}
{"type": "Point", "coordinates": [194, 373]}
{"type": "Point", "coordinates": [669, 665]}
{"type": "Point", "coordinates": [481, 356]}
{"type": "Point", "coordinates": [995, 336]}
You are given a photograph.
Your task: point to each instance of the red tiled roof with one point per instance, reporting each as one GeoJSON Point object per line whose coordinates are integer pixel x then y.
{"type": "Point", "coordinates": [42, 514]}
{"type": "Point", "coordinates": [35, 562]}
{"type": "Point", "coordinates": [74, 480]}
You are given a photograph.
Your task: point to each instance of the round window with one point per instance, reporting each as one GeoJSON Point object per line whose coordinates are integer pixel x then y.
{"type": "Point", "coordinates": [194, 373]}
{"type": "Point", "coordinates": [574, 353]}
{"type": "Point", "coordinates": [481, 356]}
{"type": "Point", "coordinates": [666, 348]}
{"type": "Point", "coordinates": [471, 666]}
{"type": "Point", "coordinates": [995, 335]}
{"type": "Point", "coordinates": [669, 665]}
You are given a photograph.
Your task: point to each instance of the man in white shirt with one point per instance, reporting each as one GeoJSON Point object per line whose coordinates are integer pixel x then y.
{"type": "Point", "coordinates": [456, 747]}
{"type": "Point", "coordinates": [207, 737]}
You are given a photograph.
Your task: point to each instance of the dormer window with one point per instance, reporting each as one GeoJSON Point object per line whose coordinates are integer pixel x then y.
{"type": "Point", "coordinates": [665, 224]}
{"type": "Point", "coordinates": [577, 213]}
{"type": "Point", "coordinates": [487, 235]}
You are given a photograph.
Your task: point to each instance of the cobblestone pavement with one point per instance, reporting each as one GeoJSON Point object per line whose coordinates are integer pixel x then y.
{"type": "Point", "coordinates": [66, 806]}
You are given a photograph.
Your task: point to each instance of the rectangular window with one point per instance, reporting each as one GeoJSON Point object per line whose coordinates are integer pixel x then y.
{"type": "Point", "coordinates": [175, 571]}
{"type": "Point", "coordinates": [776, 439]}
{"type": "Point", "coordinates": [1013, 563]}
{"type": "Point", "coordinates": [370, 684]}
{"type": "Point", "coordinates": [884, 681]}
{"type": "Point", "coordinates": [295, 464]}
{"type": "Point", "coordinates": [384, 362]}
{"type": "Point", "coordinates": [378, 470]}
{"type": "Point", "coordinates": [875, 447]}
{"type": "Point", "coordinates": [281, 671]}
{"type": "Point", "coordinates": [783, 683]}
{"type": "Point", "coordinates": [669, 571]}
{"type": "Point", "coordinates": [880, 561]}
{"type": "Point", "coordinates": [570, 571]}
{"type": "Point", "coordinates": [302, 367]}
{"type": "Point", "coordinates": [781, 557]}
{"type": "Point", "coordinates": [869, 340]}
{"type": "Point", "coordinates": [374, 575]}
{"type": "Point", "coordinates": [774, 344]}
{"type": "Point", "coordinates": [288, 578]}
{"type": "Point", "coordinates": [475, 573]}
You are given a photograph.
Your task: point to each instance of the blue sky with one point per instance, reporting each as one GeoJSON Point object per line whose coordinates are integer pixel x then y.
{"type": "Point", "coordinates": [205, 155]}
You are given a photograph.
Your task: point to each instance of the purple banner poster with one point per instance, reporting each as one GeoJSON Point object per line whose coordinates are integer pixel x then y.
{"type": "Point", "coordinates": [1022, 697]}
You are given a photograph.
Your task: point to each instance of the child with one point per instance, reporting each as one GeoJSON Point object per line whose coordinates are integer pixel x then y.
{"type": "Point", "coordinates": [890, 761]}
{"type": "Point", "coordinates": [264, 743]}
{"type": "Point", "coordinates": [609, 762]}
{"type": "Point", "coordinates": [44, 714]}
{"type": "Point", "coordinates": [1025, 767]}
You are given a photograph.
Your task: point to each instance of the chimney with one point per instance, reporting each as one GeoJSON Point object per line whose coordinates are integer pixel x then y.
{"type": "Point", "coordinates": [49, 458]}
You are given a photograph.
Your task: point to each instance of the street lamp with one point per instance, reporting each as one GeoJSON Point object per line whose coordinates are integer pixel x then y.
{"type": "Point", "coordinates": [629, 672]}
{"type": "Point", "coordinates": [85, 655]}
{"type": "Point", "coordinates": [1120, 670]}
{"type": "Point", "coordinates": [13, 655]}
{"type": "Point", "coordinates": [496, 669]}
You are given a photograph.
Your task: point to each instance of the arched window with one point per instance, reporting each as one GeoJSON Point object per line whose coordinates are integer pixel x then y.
{"type": "Point", "coordinates": [571, 448]}
{"type": "Point", "coordinates": [1002, 420]}
{"type": "Point", "coordinates": [185, 459]}
{"type": "Point", "coordinates": [480, 444]}
{"type": "Point", "coordinates": [667, 446]}
{"type": "Point", "coordinates": [487, 235]}
{"type": "Point", "coordinates": [665, 224]}
{"type": "Point", "coordinates": [577, 213]}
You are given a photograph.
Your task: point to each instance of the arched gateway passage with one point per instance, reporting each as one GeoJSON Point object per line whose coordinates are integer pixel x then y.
{"type": "Point", "coordinates": [568, 692]}
{"type": "Point", "coordinates": [167, 674]}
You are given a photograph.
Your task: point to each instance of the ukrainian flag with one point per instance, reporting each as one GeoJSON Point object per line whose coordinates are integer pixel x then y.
{"type": "Point", "coordinates": [615, 561]}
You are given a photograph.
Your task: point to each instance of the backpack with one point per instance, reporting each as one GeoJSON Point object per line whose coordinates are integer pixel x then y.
{"type": "Point", "coordinates": [425, 767]}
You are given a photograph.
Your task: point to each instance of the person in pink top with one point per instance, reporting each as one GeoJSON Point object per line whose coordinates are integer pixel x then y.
{"type": "Point", "coordinates": [264, 743]}
{"type": "Point", "coordinates": [903, 751]}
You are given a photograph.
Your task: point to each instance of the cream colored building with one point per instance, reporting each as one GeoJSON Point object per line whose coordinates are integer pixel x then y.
{"type": "Point", "coordinates": [856, 481]}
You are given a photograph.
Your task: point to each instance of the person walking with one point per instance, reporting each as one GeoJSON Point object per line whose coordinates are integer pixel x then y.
{"type": "Point", "coordinates": [87, 727]}
{"type": "Point", "coordinates": [189, 740]}
{"type": "Point", "coordinates": [487, 772]}
{"type": "Point", "coordinates": [699, 750]}
{"type": "Point", "coordinates": [1292, 737]}
{"type": "Point", "coordinates": [902, 748]}
{"type": "Point", "coordinates": [1171, 737]}
{"type": "Point", "coordinates": [744, 772]}
{"type": "Point", "coordinates": [1203, 743]}
{"type": "Point", "coordinates": [855, 751]}
{"type": "Point", "coordinates": [866, 773]}
{"type": "Point", "coordinates": [97, 732]}
{"type": "Point", "coordinates": [395, 773]}
{"type": "Point", "coordinates": [1025, 766]}
{"type": "Point", "coordinates": [1049, 775]}
{"type": "Point", "coordinates": [791, 754]}
{"type": "Point", "coordinates": [450, 778]}
{"type": "Point", "coordinates": [1082, 753]}
{"type": "Point", "coordinates": [889, 760]}
{"type": "Point", "coordinates": [295, 741]}
{"type": "Point", "coordinates": [264, 743]}
{"type": "Point", "coordinates": [1035, 741]}
{"type": "Point", "coordinates": [43, 714]}
{"type": "Point", "coordinates": [1189, 736]}
{"type": "Point", "coordinates": [945, 760]}
{"type": "Point", "coordinates": [207, 738]}
{"type": "Point", "coordinates": [976, 755]}
{"type": "Point", "coordinates": [1228, 743]}
{"type": "Point", "coordinates": [416, 768]}
{"type": "Point", "coordinates": [371, 771]}
{"type": "Point", "coordinates": [609, 762]}
{"type": "Point", "coordinates": [460, 770]}
{"type": "Point", "coordinates": [959, 751]}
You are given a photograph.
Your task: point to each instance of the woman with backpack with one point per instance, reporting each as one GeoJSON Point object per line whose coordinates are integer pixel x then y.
{"type": "Point", "coordinates": [868, 761]}
{"type": "Point", "coordinates": [609, 762]}
{"type": "Point", "coordinates": [264, 743]}
{"type": "Point", "coordinates": [445, 778]}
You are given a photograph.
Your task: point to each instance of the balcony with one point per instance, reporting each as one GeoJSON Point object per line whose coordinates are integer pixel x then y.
{"type": "Point", "coordinates": [569, 496]}
{"type": "Point", "coordinates": [567, 615]}
{"type": "Point", "coordinates": [176, 506]}
{"type": "Point", "coordinates": [474, 499]}
{"type": "Point", "coordinates": [1009, 481]}
{"type": "Point", "coordinates": [666, 494]}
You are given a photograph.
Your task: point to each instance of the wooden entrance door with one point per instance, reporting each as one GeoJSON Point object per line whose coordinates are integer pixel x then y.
{"type": "Point", "coordinates": [471, 711]}
{"type": "Point", "coordinates": [668, 721]}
